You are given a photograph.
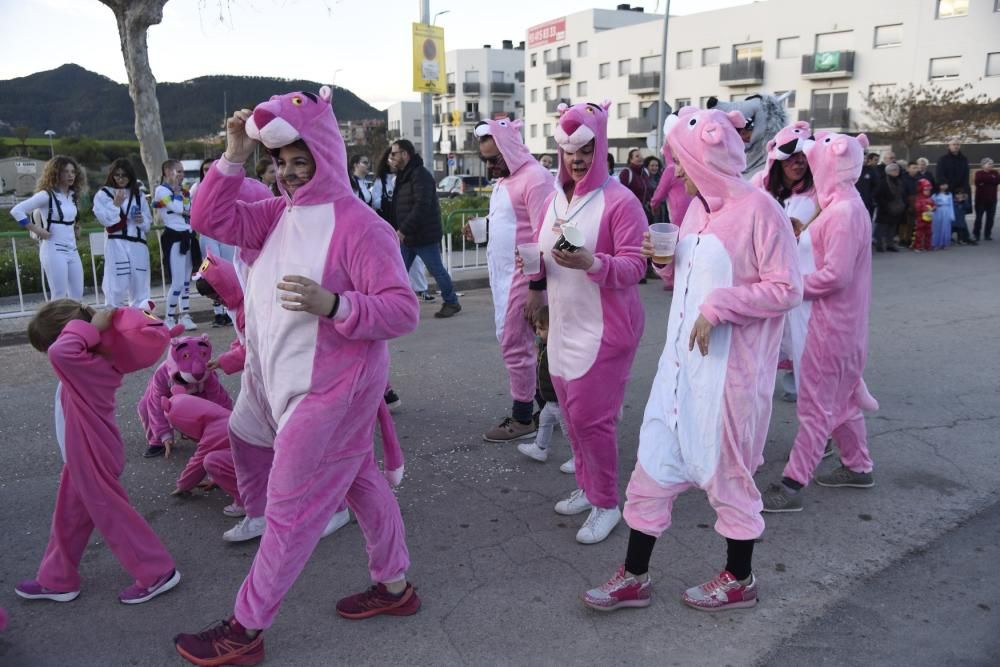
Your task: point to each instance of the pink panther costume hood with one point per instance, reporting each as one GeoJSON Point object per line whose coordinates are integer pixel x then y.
{"type": "Point", "coordinates": [832, 353]}
{"type": "Point", "coordinates": [670, 188]}
{"type": "Point", "coordinates": [303, 427]}
{"type": "Point", "coordinates": [707, 417]}
{"type": "Point", "coordinates": [517, 206]}
{"type": "Point", "coordinates": [136, 339]}
{"type": "Point", "coordinates": [595, 317]}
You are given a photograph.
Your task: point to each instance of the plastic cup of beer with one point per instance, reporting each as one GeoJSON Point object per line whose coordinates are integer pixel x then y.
{"type": "Point", "coordinates": [663, 236]}
{"type": "Point", "coordinates": [478, 227]}
{"type": "Point", "coordinates": [531, 256]}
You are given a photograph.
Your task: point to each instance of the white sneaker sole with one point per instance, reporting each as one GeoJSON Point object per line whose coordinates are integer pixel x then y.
{"type": "Point", "coordinates": [569, 467]}
{"type": "Point", "coordinates": [625, 604]}
{"type": "Point", "coordinates": [235, 513]}
{"type": "Point", "coordinates": [54, 597]}
{"type": "Point", "coordinates": [541, 457]}
{"type": "Point", "coordinates": [337, 521]}
{"type": "Point", "coordinates": [572, 511]}
{"type": "Point", "coordinates": [169, 584]}
{"type": "Point", "coordinates": [228, 536]}
{"type": "Point", "coordinates": [394, 406]}
{"type": "Point", "coordinates": [732, 605]}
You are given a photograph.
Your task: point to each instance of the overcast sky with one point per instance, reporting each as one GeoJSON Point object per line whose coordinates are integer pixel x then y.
{"type": "Point", "coordinates": [363, 45]}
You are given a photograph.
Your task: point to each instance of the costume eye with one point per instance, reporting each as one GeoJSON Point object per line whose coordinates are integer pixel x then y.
{"type": "Point", "coordinates": [297, 101]}
{"type": "Point", "coordinates": [502, 123]}
{"type": "Point", "coordinates": [828, 140]}
{"type": "Point", "coordinates": [692, 122]}
{"type": "Point", "coordinates": [185, 356]}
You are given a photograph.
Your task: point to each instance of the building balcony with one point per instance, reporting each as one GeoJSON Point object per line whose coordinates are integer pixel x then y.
{"type": "Point", "coordinates": [552, 106]}
{"type": "Point", "coordinates": [648, 82]}
{"type": "Point", "coordinates": [641, 126]}
{"type": "Point", "coordinates": [827, 119]}
{"type": "Point", "coordinates": [501, 88]}
{"type": "Point", "coordinates": [558, 69]}
{"type": "Point", "coordinates": [470, 116]}
{"type": "Point", "coordinates": [470, 87]}
{"type": "Point", "coordinates": [445, 118]}
{"type": "Point", "coordinates": [828, 65]}
{"type": "Point", "coordinates": [550, 144]}
{"type": "Point", "coordinates": [742, 72]}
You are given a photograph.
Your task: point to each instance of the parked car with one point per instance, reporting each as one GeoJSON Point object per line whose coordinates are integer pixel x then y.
{"type": "Point", "coordinates": [456, 186]}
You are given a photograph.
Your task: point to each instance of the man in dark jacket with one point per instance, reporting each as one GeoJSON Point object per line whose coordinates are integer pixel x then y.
{"type": "Point", "coordinates": [867, 182]}
{"type": "Point", "coordinates": [953, 169]}
{"type": "Point", "coordinates": [416, 215]}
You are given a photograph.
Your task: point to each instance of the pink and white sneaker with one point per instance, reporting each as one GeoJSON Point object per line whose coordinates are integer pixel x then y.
{"type": "Point", "coordinates": [723, 592]}
{"type": "Point", "coordinates": [619, 591]}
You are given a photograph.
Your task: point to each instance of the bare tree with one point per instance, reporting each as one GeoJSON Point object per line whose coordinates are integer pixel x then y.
{"type": "Point", "coordinates": [134, 17]}
{"type": "Point", "coordinates": [914, 115]}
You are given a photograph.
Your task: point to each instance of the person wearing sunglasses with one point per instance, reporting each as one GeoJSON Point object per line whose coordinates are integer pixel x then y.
{"type": "Point", "coordinates": [360, 165]}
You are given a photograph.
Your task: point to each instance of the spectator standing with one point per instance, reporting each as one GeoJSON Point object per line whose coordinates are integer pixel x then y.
{"type": "Point", "coordinates": [360, 165]}
{"type": "Point", "coordinates": [891, 209]}
{"type": "Point", "coordinates": [635, 177]}
{"type": "Point", "coordinates": [944, 218]}
{"type": "Point", "coordinates": [888, 157]}
{"type": "Point", "coordinates": [867, 182]}
{"type": "Point", "coordinates": [654, 169]}
{"type": "Point", "coordinates": [986, 181]}
{"type": "Point", "coordinates": [924, 172]}
{"type": "Point", "coordinates": [385, 181]}
{"type": "Point", "coordinates": [546, 161]}
{"type": "Point", "coordinates": [953, 169]}
{"type": "Point", "coordinates": [416, 215]}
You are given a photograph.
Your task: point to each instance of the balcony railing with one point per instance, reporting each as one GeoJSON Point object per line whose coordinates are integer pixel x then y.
{"type": "Point", "coordinates": [828, 65]}
{"type": "Point", "coordinates": [470, 87]}
{"type": "Point", "coordinates": [552, 106]}
{"type": "Point", "coordinates": [742, 72]}
{"type": "Point", "coordinates": [501, 88]}
{"type": "Point", "coordinates": [470, 117]}
{"type": "Point", "coordinates": [558, 69]}
{"type": "Point", "coordinates": [640, 125]}
{"type": "Point", "coordinates": [648, 82]}
{"type": "Point", "coordinates": [827, 119]}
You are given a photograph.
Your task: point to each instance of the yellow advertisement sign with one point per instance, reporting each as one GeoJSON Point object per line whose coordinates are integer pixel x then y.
{"type": "Point", "coordinates": [428, 59]}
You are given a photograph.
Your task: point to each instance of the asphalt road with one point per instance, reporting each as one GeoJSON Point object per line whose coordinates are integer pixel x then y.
{"type": "Point", "coordinates": [897, 575]}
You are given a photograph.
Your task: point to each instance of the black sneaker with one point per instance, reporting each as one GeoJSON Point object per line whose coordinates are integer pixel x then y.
{"type": "Point", "coordinates": [427, 296]}
{"type": "Point", "coordinates": [392, 400]}
{"type": "Point", "coordinates": [217, 321]}
{"type": "Point", "coordinates": [226, 320]}
{"type": "Point", "coordinates": [154, 451]}
{"type": "Point", "coordinates": [448, 310]}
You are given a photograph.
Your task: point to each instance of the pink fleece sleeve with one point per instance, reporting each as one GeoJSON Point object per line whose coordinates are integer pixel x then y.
{"type": "Point", "coordinates": [780, 286]}
{"type": "Point", "coordinates": [382, 305]}
{"type": "Point", "coordinates": [158, 423]}
{"type": "Point", "coordinates": [234, 359]}
{"type": "Point", "coordinates": [215, 392]}
{"type": "Point", "coordinates": [663, 187]}
{"type": "Point", "coordinates": [218, 214]}
{"type": "Point", "coordinates": [536, 197]}
{"type": "Point", "coordinates": [625, 265]}
{"type": "Point", "coordinates": [840, 254]}
{"type": "Point", "coordinates": [73, 356]}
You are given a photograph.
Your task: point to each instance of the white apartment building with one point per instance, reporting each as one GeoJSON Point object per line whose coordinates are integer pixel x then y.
{"type": "Point", "coordinates": [403, 121]}
{"type": "Point", "coordinates": [482, 83]}
{"type": "Point", "coordinates": [828, 55]}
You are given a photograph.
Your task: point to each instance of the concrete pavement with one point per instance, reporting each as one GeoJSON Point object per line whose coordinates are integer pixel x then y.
{"type": "Point", "coordinates": [499, 571]}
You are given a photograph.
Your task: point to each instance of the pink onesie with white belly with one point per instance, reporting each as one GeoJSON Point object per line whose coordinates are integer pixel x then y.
{"type": "Point", "coordinates": [707, 416]}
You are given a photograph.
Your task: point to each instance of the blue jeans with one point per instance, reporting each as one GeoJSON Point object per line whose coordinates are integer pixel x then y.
{"type": "Point", "coordinates": [431, 256]}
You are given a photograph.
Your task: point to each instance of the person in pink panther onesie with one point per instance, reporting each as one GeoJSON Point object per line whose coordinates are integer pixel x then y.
{"type": "Point", "coordinates": [834, 347]}
{"type": "Point", "coordinates": [91, 351]}
{"type": "Point", "coordinates": [734, 277]}
{"type": "Point", "coordinates": [517, 205]}
{"type": "Point", "coordinates": [325, 290]}
{"type": "Point", "coordinates": [595, 315]}
{"type": "Point", "coordinates": [186, 365]}
{"type": "Point", "coordinates": [671, 190]}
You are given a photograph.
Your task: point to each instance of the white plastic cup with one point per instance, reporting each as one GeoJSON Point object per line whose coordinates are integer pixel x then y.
{"type": "Point", "coordinates": [663, 236]}
{"type": "Point", "coordinates": [531, 255]}
{"type": "Point", "coordinates": [478, 227]}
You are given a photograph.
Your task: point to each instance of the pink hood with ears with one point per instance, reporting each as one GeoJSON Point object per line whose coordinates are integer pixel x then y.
{"type": "Point", "coordinates": [577, 126]}
{"type": "Point", "coordinates": [709, 148]}
{"type": "Point", "coordinates": [284, 119]}
{"type": "Point", "coordinates": [188, 359]}
{"type": "Point", "coordinates": [136, 339]}
{"type": "Point", "coordinates": [507, 135]}
{"type": "Point", "coordinates": [221, 275]}
{"type": "Point", "coordinates": [789, 140]}
{"type": "Point", "coordinates": [835, 161]}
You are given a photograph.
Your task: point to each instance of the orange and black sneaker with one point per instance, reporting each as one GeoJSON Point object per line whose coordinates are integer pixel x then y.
{"type": "Point", "coordinates": [225, 643]}
{"type": "Point", "coordinates": [378, 600]}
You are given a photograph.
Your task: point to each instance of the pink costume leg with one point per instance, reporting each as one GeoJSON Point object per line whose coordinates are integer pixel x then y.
{"type": "Point", "coordinates": [733, 494]}
{"type": "Point", "coordinates": [852, 441]}
{"type": "Point", "coordinates": [219, 464]}
{"type": "Point", "coordinates": [144, 418]}
{"type": "Point", "coordinates": [377, 510]}
{"type": "Point", "coordinates": [71, 529]}
{"type": "Point", "coordinates": [253, 467]}
{"type": "Point", "coordinates": [649, 505]}
{"type": "Point", "coordinates": [518, 343]}
{"type": "Point", "coordinates": [816, 410]}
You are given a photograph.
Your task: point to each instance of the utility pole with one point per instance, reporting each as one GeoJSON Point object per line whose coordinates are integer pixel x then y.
{"type": "Point", "coordinates": [426, 126]}
{"type": "Point", "coordinates": [661, 109]}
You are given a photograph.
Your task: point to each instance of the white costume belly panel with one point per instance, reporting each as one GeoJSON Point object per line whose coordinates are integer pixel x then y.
{"type": "Point", "coordinates": [576, 315]}
{"type": "Point", "coordinates": [281, 343]}
{"type": "Point", "coordinates": [500, 252]}
{"type": "Point", "coordinates": [798, 317]}
{"type": "Point", "coordinates": [681, 431]}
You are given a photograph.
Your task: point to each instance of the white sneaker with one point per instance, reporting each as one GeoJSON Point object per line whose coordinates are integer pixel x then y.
{"type": "Point", "coordinates": [337, 521]}
{"type": "Point", "coordinates": [188, 323]}
{"type": "Point", "coordinates": [569, 467]}
{"type": "Point", "coordinates": [169, 322]}
{"type": "Point", "coordinates": [247, 529]}
{"type": "Point", "coordinates": [598, 525]}
{"type": "Point", "coordinates": [576, 503]}
{"type": "Point", "coordinates": [234, 510]}
{"type": "Point", "coordinates": [533, 451]}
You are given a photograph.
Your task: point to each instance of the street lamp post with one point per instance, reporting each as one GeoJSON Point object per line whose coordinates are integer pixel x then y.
{"type": "Point", "coordinates": [50, 134]}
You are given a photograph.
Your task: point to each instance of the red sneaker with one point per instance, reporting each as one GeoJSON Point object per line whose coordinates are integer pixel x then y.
{"type": "Point", "coordinates": [723, 592]}
{"type": "Point", "coordinates": [378, 600]}
{"type": "Point", "coordinates": [225, 643]}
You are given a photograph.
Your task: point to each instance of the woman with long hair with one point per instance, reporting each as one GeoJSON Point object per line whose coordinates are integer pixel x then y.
{"type": "Point", "coordinates": [120, 207]}
{"type": "Point", "coordinates": [57, 196]}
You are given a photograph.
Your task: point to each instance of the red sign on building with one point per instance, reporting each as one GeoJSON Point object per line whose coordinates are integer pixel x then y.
{"type": "Point", "coordinates": [547, 33]}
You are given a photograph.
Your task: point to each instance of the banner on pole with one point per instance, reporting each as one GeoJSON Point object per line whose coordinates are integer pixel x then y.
{"type": "Point", "coordinates": [428, 59]}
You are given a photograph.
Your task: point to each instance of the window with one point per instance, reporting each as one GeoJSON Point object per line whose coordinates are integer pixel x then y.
{"type": "Point", "coordinates": [416, 127]}
{"type": "Point", "coordinates": [993, 64]}
{"type": "Point", "coordinates": [682, 102]}
{"type": "Point", "coordinates": [945, 68]}
{"type": "Point", "coordinates": [703, 101]}
{"type": "Point", "coordinates": [710, 56]}
{"type": "Point", "coordinates": [604, 70]}
{"type": "Point", "coordinates": [472, 76]}
{"type": "Point", "coordinates": [451, 107]}
{"type": "Point", "coordinates": [788, 47]}
{"type": "Point", "coordinates": [534, 59]}
{"type": "Point", "coordinates": [879, 89]}
{"type": "Point", "coordinates": [748, 51]}
{"type": "Point", "coordinates": [562, 53]}
{"type": "Point", "coordinates": [547, 129]}
{"type": "Point", "coordinates": [649, 65]}
{"type": "Point", "coordinates": [829, 100]}
{"type": "Point", "coordinates": [437, 110]}
{"type": "Point", "coordinates": [684, 59]}
{"type": "Point", "coordinates": [581, 88]}
{"type": "Point", "coordinates": [834, 41]}
{"type": "Point", "coordinates": [562, 91]}
{"type": "Point", "coordinates": [533, 96]}
{"type": "Point", "coordinates": [947, 9]}
{"type": "Point", "coordinates": [888, 35]}
{"type": "Point", "coordinates": [534, 131]}
{"type": "Point", "coordinates": [623, 109]}
{"type": "Point", "coordinates": [450, 78]}
{"type": "Point", "coordinates": [547, 55]}
{"type": "Point", "coordinates": [624, 67]}
{"type": "Point", "coordinates": [472, 107]}
{"type": "Point", "coordinates": [547, 93]}
{"type": "Point", "coordinates": [788, 102]}
{"type": "Point", "coordinates": [581, 49]}
{"type": "Point", "coordinates": [496, 106]}
{"type": "Point", "coordinates": [496, 76]}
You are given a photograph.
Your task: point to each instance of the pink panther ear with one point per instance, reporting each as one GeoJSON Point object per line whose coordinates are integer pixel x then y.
{"type": "Point", "coordinates": [770, 145]}
{"type": "Point", "coordinates": [863, 140]}
{"type": "Point", "coordinates": [326, 93]}
{"type": "Point", "coordinates": [203, 338]}
{"type": "Point", "coordinates": [711, 133]}
{"type": "Point", "coordinates": [175, 331]}
{"type": "Point", "coordinates": [738, 119]}
{"type": "Point", "coordinates": [606, 104]}
{"type": "Point", "coordinates": [517, 124]}
{"type": "Point", "coordinates": [562, 108]}
{"type": "Point", "coordinates": [839, 145]}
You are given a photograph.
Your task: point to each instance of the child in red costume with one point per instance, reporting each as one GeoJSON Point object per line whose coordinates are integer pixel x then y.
{"type": "Point", "coordinates": [924, 212]}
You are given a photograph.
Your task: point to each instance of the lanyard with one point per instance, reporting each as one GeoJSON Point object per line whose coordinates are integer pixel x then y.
{"type": "Point", "coordinates": [560, 222]}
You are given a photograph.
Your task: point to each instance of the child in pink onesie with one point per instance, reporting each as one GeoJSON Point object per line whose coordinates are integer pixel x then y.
{"type": "Point", "coordinates": [833, 345]}
{"type": "Point", "coordinates": [90, 352]}
{"type": "Point", "coordinates": [326, 288]}
{"type": "Point", "coordinates": [595, 315]}
{"type": "Point", "coordinates": [517, 205]}
{"type": "Point", "coordinates": [734, 276]}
